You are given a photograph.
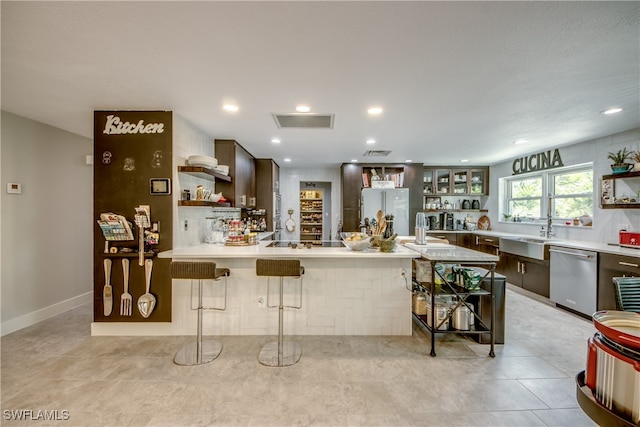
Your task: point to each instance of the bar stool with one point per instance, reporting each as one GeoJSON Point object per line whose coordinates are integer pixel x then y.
{"type": "Point", "coordinates": [627, 293]}
{"type": "Point", "coordinates": [281, 352]}
{"type": "Point", "coordinates": [199, 352]}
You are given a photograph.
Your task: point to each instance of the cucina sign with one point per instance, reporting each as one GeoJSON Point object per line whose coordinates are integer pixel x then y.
{"type": "Point", "coordinates": [115, 126]}
{"type": "Point", "coordinates": [537, 162]}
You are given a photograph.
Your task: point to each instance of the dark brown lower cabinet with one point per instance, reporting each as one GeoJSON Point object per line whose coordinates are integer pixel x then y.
{"type": "Point", "coordinates": [610, 266]}
{"type": "Point", "coordinates": [486, 244]}
{"type": "Point", "coordinates": [528, 273]}
{"type": "Point", "coordinates": [452, 238]}
{"type": "Point", "coordinates": [480, 242]}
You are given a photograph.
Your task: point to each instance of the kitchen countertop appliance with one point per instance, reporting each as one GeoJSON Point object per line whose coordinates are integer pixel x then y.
{"type": "Point", "coordinates": [446, 221]}
{"type": "Point", "coordinates": [574, 279]}
{"type": "Point", "coordinates": [421, 236]}
{"type": "Point", "coordinates": [629, 239]}
{"type": "Point", "coordinates": [433, 222]}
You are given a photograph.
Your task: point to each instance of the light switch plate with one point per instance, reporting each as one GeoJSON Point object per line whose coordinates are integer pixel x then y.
{"type": "Point", "coordinates": [14, 188]}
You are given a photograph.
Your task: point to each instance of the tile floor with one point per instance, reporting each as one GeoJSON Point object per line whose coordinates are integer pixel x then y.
{"type": "Point", "coordinates": [340, 381]}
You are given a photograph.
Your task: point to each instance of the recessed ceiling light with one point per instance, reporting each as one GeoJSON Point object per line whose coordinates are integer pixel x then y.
{"type": "Point", "coordinates": [520, 141]}
{"type": "Point", "coordinates": [371, 141]}
{"type": "Point", "coordinates": [612, 111]}
{"type": "Point", "coordinates": [286, 159]}
{"type": "Point", "coordinates": [303, 108]}
{"type": "Point", "coordinates": [230, 107]}
{"type": "Point", "coordinates": [408, 161]}
{"type": "Point", "coordinates": [354, 160]}
{"type": "Point", "coordinates": [464, 161]}
{"type": "Point", "coordinates": [275, 141]}
{"type": "Point", "coordinates": [374, 111]}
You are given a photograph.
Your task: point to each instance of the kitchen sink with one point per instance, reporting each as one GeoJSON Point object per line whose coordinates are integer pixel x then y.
{"type": "Point", "coordinates": [530, 247]}
{"type": "Point", "coordinates": [535, 240]}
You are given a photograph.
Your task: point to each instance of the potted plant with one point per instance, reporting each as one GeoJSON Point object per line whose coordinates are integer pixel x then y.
{"type": "Point", "coordinates": [635, 158]}
{"type": "Point", "coordinates": [619, 160]}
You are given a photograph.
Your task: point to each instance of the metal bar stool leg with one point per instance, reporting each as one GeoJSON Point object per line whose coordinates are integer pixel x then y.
{"type": "Point", "coordinates": [200, 351]}
{"type": "Point", "coordinates": [281, 352]}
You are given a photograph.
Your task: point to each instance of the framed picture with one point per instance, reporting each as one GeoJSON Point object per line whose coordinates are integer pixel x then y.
{"type": "Point", "coordinates": [431, 202]}
{"type": "Point", "coordinates": [160, 186]}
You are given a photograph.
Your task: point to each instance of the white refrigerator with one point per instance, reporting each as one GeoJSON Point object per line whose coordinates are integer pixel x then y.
{"type": "Point", "coordinates": [392, 202]}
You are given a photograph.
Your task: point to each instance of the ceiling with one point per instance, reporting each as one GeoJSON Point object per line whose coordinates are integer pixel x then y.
{"type": "Point", "coordinates": [456, 80]}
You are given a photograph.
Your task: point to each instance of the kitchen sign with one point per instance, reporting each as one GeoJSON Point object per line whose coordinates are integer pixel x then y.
{"type": "Point", "coordinates": [115, 126]}
{"type": "Point", "coordinates": [537, 162]}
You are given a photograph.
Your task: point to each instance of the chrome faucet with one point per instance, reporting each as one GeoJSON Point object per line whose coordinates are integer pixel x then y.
{"type": "Point", "coordinates": [550, 231]}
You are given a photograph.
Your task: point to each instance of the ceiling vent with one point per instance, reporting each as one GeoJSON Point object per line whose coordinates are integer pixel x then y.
{"type": "Point", "coordinates": [304, 120]}
{"type": "Point", "coordinates": [377, 153]}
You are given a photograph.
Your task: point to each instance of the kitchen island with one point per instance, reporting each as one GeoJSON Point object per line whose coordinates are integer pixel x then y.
{"type": "Point", "coordinates": [344, 292]}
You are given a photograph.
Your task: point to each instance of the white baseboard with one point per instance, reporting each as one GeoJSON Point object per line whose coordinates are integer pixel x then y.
{"type": "Point", "coordinates": [20, 322]}
{"type": "Point", "coordinates": [131, 329]}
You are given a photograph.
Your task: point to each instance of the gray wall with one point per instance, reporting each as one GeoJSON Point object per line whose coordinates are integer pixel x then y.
{"type": "Point", "coordinates": [46, 232]}
{"type": "Point", "coordinates": [605, 221]}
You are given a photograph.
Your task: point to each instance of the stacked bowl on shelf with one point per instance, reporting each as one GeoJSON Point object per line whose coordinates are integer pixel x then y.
{"type": "Point", "coordinates": [208, 163]}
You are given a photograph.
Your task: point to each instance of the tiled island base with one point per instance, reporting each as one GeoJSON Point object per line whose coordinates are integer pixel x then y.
{"type": "Point", "coordinates": [340, 296]}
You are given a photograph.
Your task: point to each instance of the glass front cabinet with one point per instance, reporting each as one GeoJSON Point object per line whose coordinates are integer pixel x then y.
{"type": "Point", "coordinates": [456, 181]}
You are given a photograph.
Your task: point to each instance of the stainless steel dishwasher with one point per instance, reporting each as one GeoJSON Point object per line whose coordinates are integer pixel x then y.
{"type": "Point", "coordinates": [574, 279]}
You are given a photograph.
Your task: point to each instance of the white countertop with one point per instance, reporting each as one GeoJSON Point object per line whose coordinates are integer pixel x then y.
{"type": "Point", "coordinates": [433, 250]}
{"type": "Point", "coordinates": [575, 244]}
{"type": "Point", "coordinates": [219, 251]}
{"type": "Point", "coordinates": [450, 253]}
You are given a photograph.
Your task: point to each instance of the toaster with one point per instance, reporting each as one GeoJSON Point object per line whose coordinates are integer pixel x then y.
{"type": "Point", "coordinates": [630, 239]}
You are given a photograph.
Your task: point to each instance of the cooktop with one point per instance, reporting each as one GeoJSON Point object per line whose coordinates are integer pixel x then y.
{"type": "Point", "coordinates": [323, 244]}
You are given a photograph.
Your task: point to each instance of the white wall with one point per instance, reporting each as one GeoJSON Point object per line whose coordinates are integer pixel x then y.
{"type": "Point", "coordinates": [290, 179]}
{"type": "Point", "coordinates": [605, 221]}
{"type": "Point", "coordinates": [47, 231]}
{"type": "Point", "coordinates": [188, 141]}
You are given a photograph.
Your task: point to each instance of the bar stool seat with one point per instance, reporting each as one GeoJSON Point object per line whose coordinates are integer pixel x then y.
{"type": "Point", "coordinates": [280, 353]}
{"type": "Point", "coordinates": [199, 352]}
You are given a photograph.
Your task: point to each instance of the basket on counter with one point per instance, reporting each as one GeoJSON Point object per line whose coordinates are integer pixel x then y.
{"type": "Point", "coordinates": [387, 245]}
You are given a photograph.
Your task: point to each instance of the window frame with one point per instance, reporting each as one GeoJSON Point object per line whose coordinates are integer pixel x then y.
{"type": "Point", "coordinates": [547, 191]}
{"type": "Point", "coordinates": [523, 177]}
{"type": "Point", "coordinates": [551, 176]}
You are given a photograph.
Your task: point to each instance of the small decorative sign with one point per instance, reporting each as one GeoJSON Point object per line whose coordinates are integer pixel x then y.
{"type": "Point", "coordinates": [537, 162]}
{"type": "Point", "coordinates": [383, 184]}
{"type": "Point", "coordinates": [115, 126]}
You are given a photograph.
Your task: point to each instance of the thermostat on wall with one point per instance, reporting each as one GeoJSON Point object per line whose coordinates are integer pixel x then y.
{"type": "Point", "coordinates": [160, 186]}
{"type": "Point", "coordinates": [14, 188]}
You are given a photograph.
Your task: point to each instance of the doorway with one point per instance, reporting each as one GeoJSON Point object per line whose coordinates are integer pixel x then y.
{"type": "Point", "coordinates": [315, 211]}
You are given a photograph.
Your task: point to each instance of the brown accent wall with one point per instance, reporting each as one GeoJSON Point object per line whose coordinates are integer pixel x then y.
{"type": "Point", "coordinates": [119, 189]}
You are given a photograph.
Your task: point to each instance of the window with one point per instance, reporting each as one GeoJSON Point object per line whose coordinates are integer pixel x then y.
{"type": "Point", "coordinates": [569, 190]}
{"type": "Point", "coordinates": [525, 196]}
{"type": "Point", "coordinates": [572, 193]}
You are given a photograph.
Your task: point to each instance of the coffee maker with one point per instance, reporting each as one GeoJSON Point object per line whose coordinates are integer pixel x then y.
{"type": "Point", "coordinates": [433, 223]}
{"type": "Point", "coordinates": [446, 221]}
